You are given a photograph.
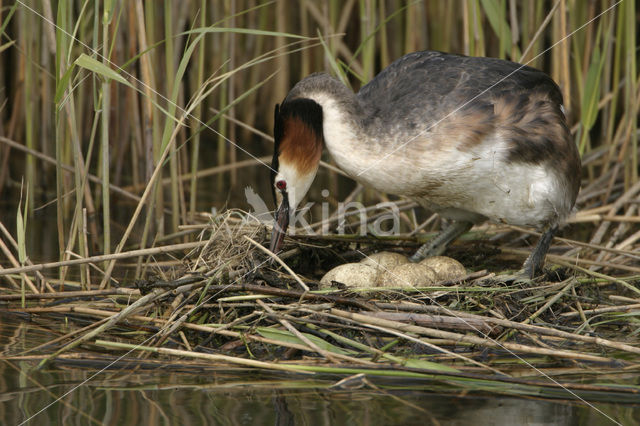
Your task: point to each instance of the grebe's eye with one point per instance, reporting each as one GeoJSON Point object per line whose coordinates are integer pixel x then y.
{"type": "Point", "coordinates": [281, 185]}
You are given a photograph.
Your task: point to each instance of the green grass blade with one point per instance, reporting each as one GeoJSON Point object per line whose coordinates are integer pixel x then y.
{"type": "Point", "coordinates": [287, 337]}
{"type": "Point", "coordinates": [335, 66]}
{"type": "Point", "coordinates": [101, 69]}
{"type": "Point", "coordinates": [496, 15]}
{"type": "Point", "coordinates": [7, 45]}
{"type": "Point", "coordinates": [428, 365]}
{"type": "Point", "coordinates": [21, 228]}
{"type": "Point", "coordinates": [247, 31]}
{"type": "Point", "coordinates": [589, 110]}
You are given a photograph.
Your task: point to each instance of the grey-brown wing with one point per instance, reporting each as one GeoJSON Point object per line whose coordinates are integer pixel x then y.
{"type": "Point", "coordinates": [433, 84]}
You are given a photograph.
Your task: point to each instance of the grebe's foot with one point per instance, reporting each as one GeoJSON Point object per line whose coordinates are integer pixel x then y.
{"type": "Point", "coordinates": [439, 243]}
{"type": "Point", "coordinates": [515, 277]}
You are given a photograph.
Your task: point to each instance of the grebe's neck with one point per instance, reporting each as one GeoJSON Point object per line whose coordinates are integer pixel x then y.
{"type": "Point", "coordinates": [343, 118]}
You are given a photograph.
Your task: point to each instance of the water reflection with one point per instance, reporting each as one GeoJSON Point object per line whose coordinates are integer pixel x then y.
{"type": "Point", "coordinates": [186, 399]}
{"type": "Point", "coordinates": [177, 395]}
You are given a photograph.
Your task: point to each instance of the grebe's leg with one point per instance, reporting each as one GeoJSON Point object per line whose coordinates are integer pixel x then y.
{"type": "Point", "coordinates": [439, 243]}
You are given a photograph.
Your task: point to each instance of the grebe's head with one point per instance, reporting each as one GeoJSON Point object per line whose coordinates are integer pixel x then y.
{"type": "Point", "coordinates": [298, 146]}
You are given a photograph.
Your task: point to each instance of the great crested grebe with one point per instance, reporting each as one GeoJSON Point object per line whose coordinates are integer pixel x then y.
{"type": "Point", "coordinates": [472, 139]}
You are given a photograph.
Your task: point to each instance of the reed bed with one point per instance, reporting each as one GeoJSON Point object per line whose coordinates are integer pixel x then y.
{"type": "Point", "coordinates": [129, 122]}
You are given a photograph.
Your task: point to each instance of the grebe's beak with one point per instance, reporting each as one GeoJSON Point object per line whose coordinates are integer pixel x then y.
{"type": "Point", "coordinates": [281, 224]}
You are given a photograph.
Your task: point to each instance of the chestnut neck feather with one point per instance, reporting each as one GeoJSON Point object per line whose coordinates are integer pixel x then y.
{"type": "Point", "coordinates": [298, 135]}
{"type": "Point", "coordinates": [301, 146]}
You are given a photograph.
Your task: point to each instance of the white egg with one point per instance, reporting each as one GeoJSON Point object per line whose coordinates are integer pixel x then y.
{"type": "Point", "coordinates": [446, 268]}
{"type": "Point", "coordinates": [356, 275]}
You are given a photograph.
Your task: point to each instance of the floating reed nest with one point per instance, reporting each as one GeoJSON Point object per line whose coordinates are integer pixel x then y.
{"type": "Point", "coordinates": [228, 301]}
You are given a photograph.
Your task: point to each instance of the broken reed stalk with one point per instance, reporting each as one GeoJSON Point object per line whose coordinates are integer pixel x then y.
{"type": "Point", "coordinates": [52, 343]}
{"type": "Point", "coordinates": [109, 257]}
{"type": "Point", "coordinates": [553, 299]}
{"type": "Point", "coordinates": [73, 294]}
{"type": "Point", "coordinates": [485, 342]}
{"type": "Point", "coordinates": [437, 348]}
{"type": "Point", "coordinates": [537, 329]}
{"type": "Point", "coordinates": [199, 355]}
{"type": "Point", "coordinates": [572, 262]}
{"type": "Point", "coordinates": [15, 262]}
{"type": "Point", "coordinates": [222, 330]}
{"type": "Point", "coordinates": [572, 242]}
{"type": "Point", "coordinates": [438, 321]}
{"type": "Point", "coordinates": [597, 274]}
{"type": "Point", "coordinates": [277, 259]}
{"type": "Point", "coordinates": [597, 311]}
{"type": "Point", "coordinates": [422, 342]}
{"type": "Point", "coordinates": [329, 356]}
{"type": "Point", "coordinates": [138, 304]}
